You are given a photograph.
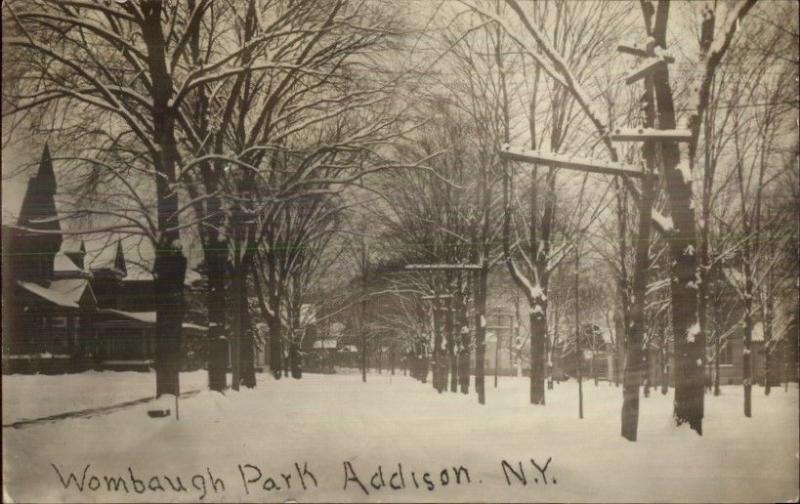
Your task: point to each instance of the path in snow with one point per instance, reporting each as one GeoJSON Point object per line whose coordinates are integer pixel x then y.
{"type": "Point", "coordinates": [32, 398]}
{"type": "Point", "coordinates": [335, 426]}
{"type": "Point", "coordinates": [90, 412]}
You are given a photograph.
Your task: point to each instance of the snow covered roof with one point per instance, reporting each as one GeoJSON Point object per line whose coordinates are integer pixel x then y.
{"type": "Point", "coordinates": [47, 294]}
{"type": "Point", "coordinates": [138, 272]}
{"type": "Point", "coordinates": [72, 288]}
{"type": "Point", "coordinates": [63, 264]}
{"type": "Point", "coordinates": [325, 344]}
{"type": "Point", "coordinates": [758, 332]}
{"type": "Point", "coordinates": [147, 317]}
{"type": "Point", "coordinates": [110, 257]}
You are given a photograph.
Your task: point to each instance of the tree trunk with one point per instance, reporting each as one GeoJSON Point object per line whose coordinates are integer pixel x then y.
{"type": "Point", "coordinates": [464, 349]}
{"type": "Point", "coordinates": [451, 347]}
{"type": "Point", "coordinates": [635, 338]}
{"type": "Point", "coordinates": [747, 361]}
{"type": "Point", "coordinates": [768, 347]}
{"type": "Point", "coordinates": [648, 373]}
{"type": "Point", "coordinates": [766, 372]}
{"type": "Point", "coordinates": [437, 346]}
{"type": "Point", "coordinates": [295, 356]}
{"type": "Point", "coordinates": [716, 365]}
{"type": "Point", "coordinates": [169, 269]}
{"type": "Point", "coordinates": [236, 333]}
{"type": "Point", "coordinates": [275, 345]}
{"type": "Point", "coordinates": [274, 319]}
{"type": "Point", "coordinates": [664, 369]}
{"type": "Point", "coordinates": [549, 357]}
{"type": "Point", "coordinates": [363, 354]}
{"type": "Point", "coordinates": [216, 258]}
{"type": "Point", "coordinates": [380, 356]}
{"type": "Point", "coordinates": [215, 251]}
{"type": "Point", "coordinates": [480, 332]}
{"type": "Point", "coordinates": [689, 340]}
{"type": "Point", "coordinates": [787, 360]}
{"type": "Point", "coordinates": [244, 335]}
{"type": "Point", "coordinates": [578, 350]}
{"type": "Point", "coordinates": [363, 315]}
{"type": "Point", "coordinates": [537, 373]}
{"type": "Point", "coordinates": [169, 273]}
{"type": "Point", "coordinates": [247, 347]}
{"type": "Point", "coordinates": [620, 339]}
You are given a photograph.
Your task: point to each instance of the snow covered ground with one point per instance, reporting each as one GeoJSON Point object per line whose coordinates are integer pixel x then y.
{"type": "Point", "coordinates": [323, 437]}
{"type": "Point", "coordinates": [27, 397]}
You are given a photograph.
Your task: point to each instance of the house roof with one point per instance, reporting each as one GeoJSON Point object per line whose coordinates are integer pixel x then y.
{"type": "Point", "coordinates": [137, 272]}
{"type": "Point", "coordinates": [758, 332]}
{"type": "Point", "coordinates": [109, 257]}
{"type": "Point", "coordinates": [325, 344]}
{"type": "Point", "coordinates": [38, 209]}
{"type": "Point", "coordinates": [147, 317]}
{"type": "Point", "coordinates": [50, 295]}
{"type": "Point", "coordinates": [63, 264]}
{"type": "Point", "coordinates": [73, 289]}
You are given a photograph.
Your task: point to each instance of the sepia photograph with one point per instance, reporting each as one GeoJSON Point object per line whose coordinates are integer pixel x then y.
{"type": "Point", "coordinates": [400, 251]}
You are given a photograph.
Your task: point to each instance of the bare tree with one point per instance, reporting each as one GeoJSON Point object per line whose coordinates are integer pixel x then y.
{"type": "Point", "coordinates": [126, 65]}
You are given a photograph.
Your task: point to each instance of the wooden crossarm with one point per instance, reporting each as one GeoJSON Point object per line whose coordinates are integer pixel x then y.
{"type": "Point", "coordinates": [425, 267]}
{"type": "Point", "coordinates": [642, 52]}
{"type": "Point", "coordinates": [440, 296]}
{"type": "Point", "coordinates": [568, 162]}
{"type": "Point", "coordinates": [649, 134]}
{"type": "Point", "coordinates": [647, 66]}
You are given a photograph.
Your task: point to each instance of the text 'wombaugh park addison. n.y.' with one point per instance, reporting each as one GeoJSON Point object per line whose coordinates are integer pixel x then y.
{"type": "Point", "coordinates": [415, 251]}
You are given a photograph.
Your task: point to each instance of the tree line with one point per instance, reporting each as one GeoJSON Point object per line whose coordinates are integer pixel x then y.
{"type": "Point", "coordinates": [306, 152]}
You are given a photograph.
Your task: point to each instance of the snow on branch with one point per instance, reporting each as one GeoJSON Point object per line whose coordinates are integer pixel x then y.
{"type": "Point", "coordinates": [547, 67]}
{"type": "Point", "coordinates": [566, 76]}
{"type": "Point", "coordinates": [662, 223]}
{"type": "Point", "coordinates": [711, 57]}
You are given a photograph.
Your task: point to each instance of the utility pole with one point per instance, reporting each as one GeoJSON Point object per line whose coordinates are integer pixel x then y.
{"type": "Point", "coordinates": [578, 351]}
{"type": "Point", "coordinates": [239, 285]}
{"type": "Point", "coordinates": [497, 330]}
{"type": "Point", "coordinates": [365, 273]}
{"type": "Point", "coordinates": [496, 356]}
{"type": "Point", "coordinates": [451, 346]}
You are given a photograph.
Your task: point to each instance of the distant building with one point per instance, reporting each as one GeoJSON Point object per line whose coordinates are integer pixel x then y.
{"type": "Point", "coordinates": [307, 328]}
{"type": "Point", "coordinates": [61, 314]}
{"type": "Point", "coordinates": [731, 359]}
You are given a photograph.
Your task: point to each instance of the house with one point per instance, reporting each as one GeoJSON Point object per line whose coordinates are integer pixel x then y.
{"type": "Point", "coordinates": [731, 356]}
{"type": "Point", "coordinates": [502, 345]}
{"type": "Point", "coordinates": [599, 354]}
{"type": "Point", "coordinates": [63, 312]}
